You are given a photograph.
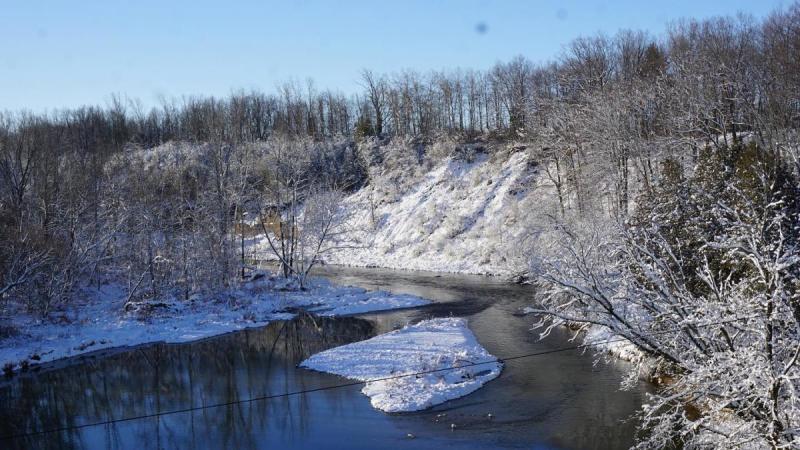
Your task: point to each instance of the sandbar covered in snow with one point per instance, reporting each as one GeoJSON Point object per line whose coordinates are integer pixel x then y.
{"type": "Point", "coordinates": [424, 347]}
{"type": "Point", "coordinates": [100, 319]}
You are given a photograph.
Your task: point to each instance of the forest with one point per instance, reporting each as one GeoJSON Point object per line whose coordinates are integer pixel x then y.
{"type": "Point", "coordinates": [674, 160]}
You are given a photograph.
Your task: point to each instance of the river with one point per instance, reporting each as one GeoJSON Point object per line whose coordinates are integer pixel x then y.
{"type": "Point", "coordinates": [557, 400]}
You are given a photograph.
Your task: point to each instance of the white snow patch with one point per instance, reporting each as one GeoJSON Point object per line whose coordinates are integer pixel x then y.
{"type": "Point", "coordinates": [98, 320]}
{"type": "Point", "coordinates": [425, 347]}
{"type": "Point", "coordinates": [602, 339]}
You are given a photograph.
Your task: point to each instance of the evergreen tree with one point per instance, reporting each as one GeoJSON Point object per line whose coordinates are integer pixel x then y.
{"type": "Point", "coordinates": [364, 128]}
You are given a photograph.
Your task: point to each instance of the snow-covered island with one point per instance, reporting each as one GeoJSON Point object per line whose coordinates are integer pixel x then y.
{"type": "Point", "coordinates": [100, 318]}
{"type": "Point", "coordinates": [409, 369]}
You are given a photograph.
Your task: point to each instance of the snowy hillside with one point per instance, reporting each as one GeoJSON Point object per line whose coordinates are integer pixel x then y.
{"type": "Point", "coordinates": [465, 215]}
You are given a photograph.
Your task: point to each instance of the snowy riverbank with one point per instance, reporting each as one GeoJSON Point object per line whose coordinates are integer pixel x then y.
{"type": "Point", "coordinates": [600, 339]}
{"type": "Point", "coordinates": [429, 347]}
{"type": "Point", "coordinates": [98, 319]}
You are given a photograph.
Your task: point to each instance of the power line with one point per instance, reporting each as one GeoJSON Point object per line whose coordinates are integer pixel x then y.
{"type": "Point", "coordinates": [585, 345]}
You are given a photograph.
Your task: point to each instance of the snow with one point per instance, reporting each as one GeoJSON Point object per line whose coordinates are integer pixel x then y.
{"type": "Point", "coordinates": [602, 339]}
{"type": "Point", "coordinates": [424, 347]}
{"type": "Point", "coordinates": [99, 320]}
{"type": "Point", "coordinates": [607, 341]}
{"type": "Point", "coordinates": [459, 217]}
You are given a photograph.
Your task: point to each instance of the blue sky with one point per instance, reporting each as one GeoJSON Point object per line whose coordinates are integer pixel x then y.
{"type": "Point", "coordinates": [59, 54]}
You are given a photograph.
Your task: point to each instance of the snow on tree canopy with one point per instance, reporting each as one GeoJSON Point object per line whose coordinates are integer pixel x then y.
{"type": "Point", "coordinates": [427, 346]}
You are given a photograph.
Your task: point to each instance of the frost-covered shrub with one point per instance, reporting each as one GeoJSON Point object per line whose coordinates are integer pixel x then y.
{"type": "Point", "coordinates": [468, 153]}
{"type": "Point", "coordinates": [452, 226]}
{"type": "Point", "coordinates": [435, 150]}
{"type": "Point", "coordinates": [703, 279]}
{"type": "Point", "coordinates": [433, 219]}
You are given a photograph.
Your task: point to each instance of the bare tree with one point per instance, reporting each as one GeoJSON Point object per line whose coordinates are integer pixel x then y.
{"type": "Point", "coordinates": [376, 92]}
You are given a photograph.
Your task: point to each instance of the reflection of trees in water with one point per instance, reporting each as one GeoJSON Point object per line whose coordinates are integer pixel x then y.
{"type": "Point", "coordinates": [229, 368]}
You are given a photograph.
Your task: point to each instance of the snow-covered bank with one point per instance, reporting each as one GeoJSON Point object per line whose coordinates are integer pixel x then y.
{"type": "Point", "coordinates": [100, 320]}
{"type": "Point", "coordinates": [602, 340]}
{"type": "Point", "coordinates": [427, 346]}
{"type": "Point", "coordinates": [461, 215]}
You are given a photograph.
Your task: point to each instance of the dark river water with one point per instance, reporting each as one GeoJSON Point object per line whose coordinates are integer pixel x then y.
{"type": "Point", "coordinates": [558, 400]}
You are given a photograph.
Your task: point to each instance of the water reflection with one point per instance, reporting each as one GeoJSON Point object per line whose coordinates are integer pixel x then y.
{"type": "Point", "coordinates": [251, 363]}
{"type": "Point", "coordinates": [560, 400]}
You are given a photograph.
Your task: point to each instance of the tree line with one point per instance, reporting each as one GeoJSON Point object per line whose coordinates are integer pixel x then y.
{"type": "Point", "coordinates": [600, 116]}
{"type": "Point", "coordinates": [717, 77]}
